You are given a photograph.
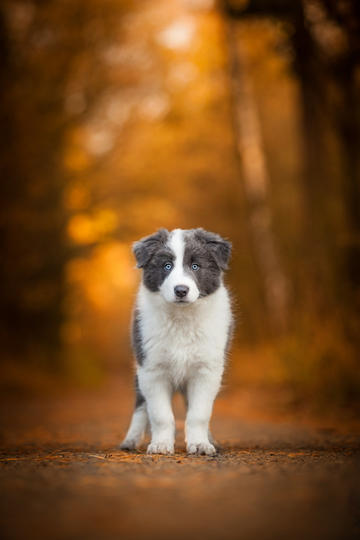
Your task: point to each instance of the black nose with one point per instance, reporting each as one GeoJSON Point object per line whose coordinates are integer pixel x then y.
{"type": "Point", "coordinates": [181, 291]}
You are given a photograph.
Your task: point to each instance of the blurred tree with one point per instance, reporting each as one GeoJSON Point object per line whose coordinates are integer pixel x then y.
{"type": "Point", "coordinates": [325, 40]}
{"type": "Point", "coordinates": [32, 239]}
{"type": "Point", "coordinates": [117, 118]}
{"type": "Point", "coordinates": [37, 51]}
{"type": "Point", "coordinates": [249, 145]}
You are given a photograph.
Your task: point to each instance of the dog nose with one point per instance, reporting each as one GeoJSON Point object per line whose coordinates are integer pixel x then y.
{"type": "Point", "coordinates": [181, 291]}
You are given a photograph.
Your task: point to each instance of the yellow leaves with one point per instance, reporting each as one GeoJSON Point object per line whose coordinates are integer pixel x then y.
{"type": "Point", "coordinates": [85, 229]}
{"type": "Point", "coordinates": [77, 197]}
{"type": "Point", "coordinates": [81, 230]}
{"type": "Point", "coordinates": [152, 213]}
{"type": "Point", "coordinates": [208, 55]}
{"type": "Point", "coordinates": [106, 276]}
{"type": "Point", "coordinates": [178, 35]}
{"type": "Point", "coordinates": [76, 159]}
{"type": "Point", "coordinates": [83, 144]}
{"type": "Point", "coordinates": [265, 64]}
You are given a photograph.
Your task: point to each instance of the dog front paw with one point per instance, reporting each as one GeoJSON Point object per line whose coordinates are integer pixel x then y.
{"type": "Point", "coordinates": [164, 447]}
{"type": "Point", "coordinates": [204, 448]}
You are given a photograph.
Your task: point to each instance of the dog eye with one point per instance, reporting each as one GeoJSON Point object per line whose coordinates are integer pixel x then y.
{"type": "Point", "coordinates": [168, 266]}
{"type": "Point", "coordinates": [195, 266]}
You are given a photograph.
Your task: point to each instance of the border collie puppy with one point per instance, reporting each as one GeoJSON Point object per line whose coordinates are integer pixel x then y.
{"type": "Point", "coordinates": [181, 328]}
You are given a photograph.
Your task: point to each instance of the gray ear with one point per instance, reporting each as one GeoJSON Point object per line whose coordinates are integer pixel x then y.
{"type": "Point", "coordinates": [145, 248]}
{"type": "Point", "coordinates": [220, 248]}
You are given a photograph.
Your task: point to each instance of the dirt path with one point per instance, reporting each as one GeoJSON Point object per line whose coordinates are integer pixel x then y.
{"type": "Point", "coordinates": [63, 478]}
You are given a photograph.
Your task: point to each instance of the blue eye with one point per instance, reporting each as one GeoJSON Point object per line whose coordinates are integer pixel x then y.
{"type": "Point", "coordinates": [168, 266]}
{"type": "Point", "coordinates": [195, 267]}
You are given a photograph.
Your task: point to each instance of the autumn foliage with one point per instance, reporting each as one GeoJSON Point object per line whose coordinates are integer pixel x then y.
{"type": "Point", "coordinates": [119, 117]}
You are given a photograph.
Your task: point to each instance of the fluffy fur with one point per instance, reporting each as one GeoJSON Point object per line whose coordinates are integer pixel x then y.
{"type": "Point", "coordinates": [181, 327]}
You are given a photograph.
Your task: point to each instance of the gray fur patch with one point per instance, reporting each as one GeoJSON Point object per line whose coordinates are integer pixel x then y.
{"type": "Point", "coordinates": [211, 253]}
{"type": "Point", "coordinates": [218, 246]}
{"type": "Point", "coordinates": [137, 338]}
{"type": "Point", "coordinates": [230, 334]}
{"type": "Point", "coordinates": [139, 398]}
{"type": "Point", "coordinates": [152, 253]}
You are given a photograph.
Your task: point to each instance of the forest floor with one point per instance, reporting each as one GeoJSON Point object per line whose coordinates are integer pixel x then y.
{"type": "Point", "coordinates": [63, 477]}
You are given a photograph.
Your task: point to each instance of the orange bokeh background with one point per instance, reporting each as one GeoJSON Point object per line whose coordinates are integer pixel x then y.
{"type": "Point", "coordinates": [121, 118]}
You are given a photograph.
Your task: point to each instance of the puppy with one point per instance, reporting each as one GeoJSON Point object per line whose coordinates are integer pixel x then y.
{"type": "Point", "coordinates": [181, 329]}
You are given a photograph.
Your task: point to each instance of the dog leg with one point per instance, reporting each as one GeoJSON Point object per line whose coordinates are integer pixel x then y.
{"type": "Point", "coordinates": [137, 428]}
{"type": "Point", "coordinates": [158, 394]}
{"type": "Point", "coordinates": [139, 421]}
{"type": "Point", "coordinates": [201, 393]}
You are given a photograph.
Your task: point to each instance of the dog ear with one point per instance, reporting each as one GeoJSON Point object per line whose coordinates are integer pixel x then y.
{"type": "Point", "coordinates": [220, 248]}
{"type": "Point", "coordinates": [145, 248]}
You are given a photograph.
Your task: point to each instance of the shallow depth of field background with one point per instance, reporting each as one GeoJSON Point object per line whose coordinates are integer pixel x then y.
{"type": "Point", "coordinates": [119, 117]}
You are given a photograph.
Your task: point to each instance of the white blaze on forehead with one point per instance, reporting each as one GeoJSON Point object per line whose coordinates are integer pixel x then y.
{"type": "Point", "coordinates": [177, 245]}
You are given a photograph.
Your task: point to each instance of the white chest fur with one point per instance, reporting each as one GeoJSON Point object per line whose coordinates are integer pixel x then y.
{"type": "Point", "coordinates": [178, 340]}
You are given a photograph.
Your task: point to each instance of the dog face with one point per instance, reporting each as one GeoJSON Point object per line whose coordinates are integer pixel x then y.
{"type": "Point", "coordinates": [182, 265]}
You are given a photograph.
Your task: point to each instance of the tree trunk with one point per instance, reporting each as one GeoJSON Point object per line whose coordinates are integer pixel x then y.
{"type": "Point", "coordinates": [254, 173]}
